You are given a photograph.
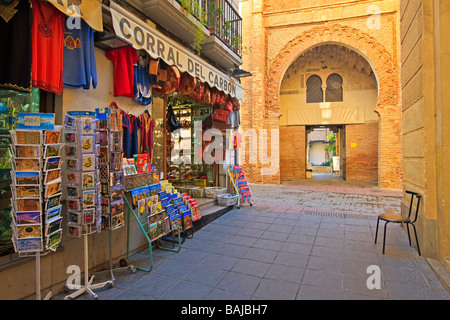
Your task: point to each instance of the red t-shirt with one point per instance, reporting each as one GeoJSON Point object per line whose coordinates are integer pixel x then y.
{"type": "Point", "coordinates": [47, 46]}
{"type": "Point", "coordinates": [123, 60]}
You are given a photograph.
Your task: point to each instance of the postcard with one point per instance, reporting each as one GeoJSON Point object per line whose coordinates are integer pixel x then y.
{"type": "Point", "coordinates": [52, 163]}
{"type": "Point", "coordinates": [27, 137]}
{"type": "Point", "coordinates": [27, 151]}
{"type": "Point", "coordinates": [52, 150]}
{"type": "Point", "coordinates": [29, 231]}
{"type": "Point", "coordinates": [88, 198]}
{"type": "Point", "coordinates": [31, 217]}
{"type": "Point", "coordinates": [52, 188]}
{"type": "Point", "coordinates": [88, 179]}
{"type": "Point", "coordinates": [87, 144]}
{"type": "Point", "coordinates": [53, 240]}
{"type": "Point", "coordinates": [52, 176]}
{"type": "Point", "coordinates": [52, 136]}
{"type": "Point", "coordinates": [29, 244]}
{"type": "Point", "coordinates": [28, 204]}
{"type": "Point", "coordinates": [28, 177]}
{"type": "Point", "coordinates": [54, 212]}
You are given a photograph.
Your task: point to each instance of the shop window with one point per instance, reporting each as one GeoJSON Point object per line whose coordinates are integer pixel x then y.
{"type": "Point", "coordinates": [334, 92]}
{"type": "Point", "coordinates": [11, 103]}
{"type": "Point", "coordinates": [314, 92]}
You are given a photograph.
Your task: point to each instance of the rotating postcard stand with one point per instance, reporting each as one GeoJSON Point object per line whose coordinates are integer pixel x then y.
{"type": "Point", "coordinates": [82, 189]}
{"type": "Point", "coordinates": [36, 188]}
{"type": "Point", "coordinates": [111, 177]}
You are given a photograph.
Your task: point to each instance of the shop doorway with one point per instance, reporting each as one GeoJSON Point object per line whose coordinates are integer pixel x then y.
{"type": "Point", "coordinates": [325, 152]}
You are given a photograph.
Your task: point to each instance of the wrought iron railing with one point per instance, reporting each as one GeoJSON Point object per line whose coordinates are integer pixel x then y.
{"type": "Point", "coordinates": [222, 20]}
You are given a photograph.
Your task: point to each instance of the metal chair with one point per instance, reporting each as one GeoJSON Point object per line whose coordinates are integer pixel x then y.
{"type": "Point", "coordinates": [395, 218]}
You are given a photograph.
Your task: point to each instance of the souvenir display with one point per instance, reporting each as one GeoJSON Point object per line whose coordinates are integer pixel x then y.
{"type": "Point", "coordinates": [80, 173]}
{"type": "Point", "coordinates": [111, 174]}
{"type": "Point", "coordinates": [36, 185]}
{"type": "Point", "coordinates": [241, 187]}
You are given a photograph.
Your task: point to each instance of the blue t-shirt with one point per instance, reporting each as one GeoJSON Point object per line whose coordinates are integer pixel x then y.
{"type": "Point", "coordinates": [79, 57]}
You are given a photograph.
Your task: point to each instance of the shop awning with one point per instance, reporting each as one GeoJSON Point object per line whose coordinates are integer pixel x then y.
{"type": "Point", "coordinates": [142, 36]}
{"type": "Point", "coordinates": [88, 10]}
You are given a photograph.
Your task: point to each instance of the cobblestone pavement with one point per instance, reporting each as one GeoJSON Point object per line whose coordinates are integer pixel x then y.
{"type": "Point", "coordinates": [291, 244]}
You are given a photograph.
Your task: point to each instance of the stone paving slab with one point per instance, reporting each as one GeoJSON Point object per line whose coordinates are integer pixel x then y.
{"type": "Point", "coordinates": [294, 245]}
{"type": "Point", "coordinates": [318, 258]}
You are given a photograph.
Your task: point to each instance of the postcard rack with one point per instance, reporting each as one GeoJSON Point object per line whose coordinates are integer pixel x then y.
{"type": "Point", "coordinates": [155, 222]}
{"type": "Point", "coordinates": [82, 188]}
{"type": "Point", "coordinates": [36, 188]}
{"type": "Point", "coordinates": [240, 185]}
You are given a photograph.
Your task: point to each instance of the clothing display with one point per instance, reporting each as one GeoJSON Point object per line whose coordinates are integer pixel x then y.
{"type": "Point", "coordinates": [131, 125]}
{"type": "Point", "coordinates": [147, 124]}
{"type": "Point", "coordinates": [15, 30]}
{"type": "Point", "coordinates": [123, 60]}
{"type": "Point", "coordinates": [47, 47]}
{"type": "Point", "coordinates": [79, 57]}
{"type": "Point", "coordinates": [142, 85]}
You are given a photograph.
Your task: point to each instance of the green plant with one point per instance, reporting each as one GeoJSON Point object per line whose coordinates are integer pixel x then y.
{"type": "Point", "coordinates": [193, 8]}
{"type": "Point", "coordinates": [331, 146]}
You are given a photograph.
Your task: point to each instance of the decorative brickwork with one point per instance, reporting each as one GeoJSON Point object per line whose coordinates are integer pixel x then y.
{"type": "Point", "coordinates": [385, 67]}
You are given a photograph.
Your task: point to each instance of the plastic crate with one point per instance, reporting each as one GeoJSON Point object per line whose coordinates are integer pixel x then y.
{"type": "Point", "coordinates": [213, 192]}
{"type": "Point", "coordinates": [227, 199]}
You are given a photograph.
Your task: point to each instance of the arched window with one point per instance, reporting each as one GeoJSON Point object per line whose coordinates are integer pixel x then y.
{"type": "Point", "coordinates": [314, 92]}
{"type": "Point", "coordinates": [334, 92]}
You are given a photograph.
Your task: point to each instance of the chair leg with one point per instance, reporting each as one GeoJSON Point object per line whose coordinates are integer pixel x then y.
{"type": "Point", "coordinates": [376, 232]}
{"type": "Point", "coordinates": [417, 240]}
{"type": "Point", "coordinates": [409, 237]}
{"type": "Point", "coordinates": [384, 236]}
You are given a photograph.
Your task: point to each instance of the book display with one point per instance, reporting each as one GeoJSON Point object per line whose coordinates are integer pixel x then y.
{"type": "Point", "coordinates": [36, 187]}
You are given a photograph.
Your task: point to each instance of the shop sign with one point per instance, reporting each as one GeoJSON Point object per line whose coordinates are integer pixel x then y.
{"type": "Point", "coordinates": [88, 10]}
{"type": "Point", "coordinates": [142, 36]}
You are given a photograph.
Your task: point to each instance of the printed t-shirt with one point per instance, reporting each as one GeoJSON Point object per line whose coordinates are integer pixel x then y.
{"type": "Point", "coordinates": [15, 54]}
{"type": "Point", "coordinates": [130, 125]}
{"type": "Point", "coordinates": [79, 57]}
{"type": "Point", "coordinates": [48, 43]}
{"type": "Point", "coordinates": [123, 60]}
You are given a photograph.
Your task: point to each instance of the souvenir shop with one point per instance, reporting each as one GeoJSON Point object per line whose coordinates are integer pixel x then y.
{"type": "Point", "coordinates": [100, 134]}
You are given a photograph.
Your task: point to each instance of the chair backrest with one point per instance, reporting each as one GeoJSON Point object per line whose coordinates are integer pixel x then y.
{"type": "Point", "coordinates": [418, 196]}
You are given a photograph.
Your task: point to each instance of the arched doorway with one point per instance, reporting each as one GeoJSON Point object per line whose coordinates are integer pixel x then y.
{"type": "Point", "coordinates": [385, 72]}
{"type": "Point", "coordinates": [330, 89]}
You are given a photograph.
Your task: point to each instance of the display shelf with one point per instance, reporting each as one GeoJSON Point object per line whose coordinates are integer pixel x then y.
{"type": "Point", "coordinates": [240, 185]}
{"type": "Point", "coordinates": [153, 220]}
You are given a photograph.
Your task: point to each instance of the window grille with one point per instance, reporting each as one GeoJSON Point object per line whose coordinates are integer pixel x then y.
{"type": "Point", "coordinates": [334, 92]}
{"type": "Point", "coordinates": [314, 92]}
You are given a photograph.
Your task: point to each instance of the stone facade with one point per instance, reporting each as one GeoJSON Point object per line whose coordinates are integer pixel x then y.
{"type": "Point", "coordinates": [426, 115]}
{"type": "Point", "coordinates": [279, 32]}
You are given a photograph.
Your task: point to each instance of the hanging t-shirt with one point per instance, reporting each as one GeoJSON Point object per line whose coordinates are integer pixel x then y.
{"type": "Point", "coordinates": [123, 60]}
{"type": "Point", "coordinates": [130, 125]}
{"type": "Point", "coordinates": [142, 86]}
{"type": "Point", "coordinates": [15, 54]}
{"type": "Point", "coordinates": [79, 57]}
{"type": "Point", "coordinates": [147, 124]}
{"type": "Point", "coordinates": [48, 43]}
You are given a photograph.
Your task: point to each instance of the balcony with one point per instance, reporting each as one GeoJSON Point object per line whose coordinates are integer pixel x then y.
{"type": "Point", "coordinates": [219, 22]}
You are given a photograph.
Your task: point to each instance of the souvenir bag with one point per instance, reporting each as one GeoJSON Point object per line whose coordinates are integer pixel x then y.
{"type": "Point", "coordinates": [172, 81]}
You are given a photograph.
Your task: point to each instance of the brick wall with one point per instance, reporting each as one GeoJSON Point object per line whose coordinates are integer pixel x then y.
{"type": "Point", "coordinates": [361, 147]}
{"type": "Point", "coordinates": [292, 153]}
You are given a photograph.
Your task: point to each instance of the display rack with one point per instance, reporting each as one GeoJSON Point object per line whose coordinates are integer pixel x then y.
{"type": "Point", "coordinates": [240, 185]}
{"type": "Point", "coordinates": [156, 217]}
{"type": "Point", "coordinates": [36, 188]}
{"type": "Point", "coordinates": [82, 188]}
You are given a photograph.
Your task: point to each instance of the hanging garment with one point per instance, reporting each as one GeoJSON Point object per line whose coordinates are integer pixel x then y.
{"type": "Point", "coordinates": [130, 125]}
{"type": "Point", "coordinates": [48, 43]}
{"type": "Point", "coordinates": [79, 57]}
{"type": "Point", "coordinates": [142, 85]}
{"type": "Point", "coordinates": [123, 60]}
{"type": "Point", "coordinates": [15, 34]}
{"type": "Point", "coordinates": [147, 124]}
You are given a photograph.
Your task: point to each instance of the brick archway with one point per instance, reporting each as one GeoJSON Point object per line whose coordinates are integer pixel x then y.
{"type": "Point", "coordinates": [385, 68]}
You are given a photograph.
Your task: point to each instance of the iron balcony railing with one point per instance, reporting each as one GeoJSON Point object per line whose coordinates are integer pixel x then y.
{"type": "Point", "coordinates": [222, 20]}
